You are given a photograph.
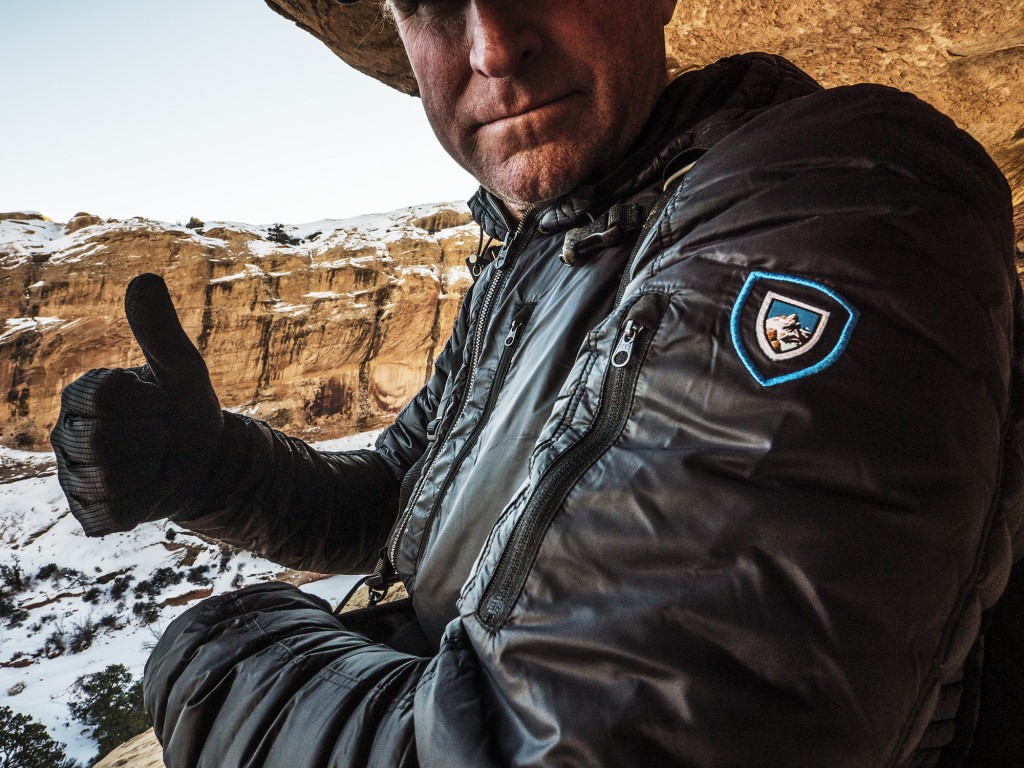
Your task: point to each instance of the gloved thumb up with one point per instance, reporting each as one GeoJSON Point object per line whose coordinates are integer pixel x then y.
{"type": "Point", "coordinates": [174, 363]}
{"type": "Point", "coordinates": [137, 444]}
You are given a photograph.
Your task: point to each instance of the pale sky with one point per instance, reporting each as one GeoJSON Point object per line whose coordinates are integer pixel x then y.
{"type": "Point", "coordinates": [219, 109]}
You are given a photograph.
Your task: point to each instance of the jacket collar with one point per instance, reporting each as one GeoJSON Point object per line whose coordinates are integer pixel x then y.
{"type": "Point", "coordinates": [696, 110]}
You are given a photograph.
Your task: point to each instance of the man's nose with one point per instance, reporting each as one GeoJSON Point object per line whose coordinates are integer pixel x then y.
{"type": "Point", "coordinates": [503, 37]}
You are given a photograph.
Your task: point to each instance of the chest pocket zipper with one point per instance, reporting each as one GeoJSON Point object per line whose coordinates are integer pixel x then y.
{"type": "Point", "coordinates": [620, 379]}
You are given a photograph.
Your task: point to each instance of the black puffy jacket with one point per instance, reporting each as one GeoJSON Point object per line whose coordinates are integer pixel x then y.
{"type": "Point", "coordinates": [723, 475]}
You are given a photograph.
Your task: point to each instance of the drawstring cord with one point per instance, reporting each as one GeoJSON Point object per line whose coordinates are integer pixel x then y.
{"type": "Point", "coordinates": [478, 261]}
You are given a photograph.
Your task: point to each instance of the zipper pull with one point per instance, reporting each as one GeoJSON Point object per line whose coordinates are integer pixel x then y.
{"type": "Point", "coordinates": [512, 332]}
{"type": "Point", "coordinates": [518, 321]}
{"type": "Point", "coordinates": [378, 584]}
{"type": "Point", "coordinates": [623, 352]}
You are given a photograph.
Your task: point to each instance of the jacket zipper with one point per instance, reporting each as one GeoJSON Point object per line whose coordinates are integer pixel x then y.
{"type": "Point", "coordinates": [521, 318]}
{"type": "Point", "coordinates": [620, 380]}
{"type": "Point", "coordinates": [384, 574]}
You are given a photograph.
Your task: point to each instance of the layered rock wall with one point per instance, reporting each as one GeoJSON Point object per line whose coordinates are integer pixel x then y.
{"type": "Point", "coordinates": [322, 336]}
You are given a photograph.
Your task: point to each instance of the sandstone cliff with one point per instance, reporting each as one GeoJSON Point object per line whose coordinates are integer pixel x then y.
{"type": "Point", "coordinates": [964, 56]}
{"type": "Point", "coordinates": [321, 330]}
{"type": "Point", "coordinates": [141, 752]}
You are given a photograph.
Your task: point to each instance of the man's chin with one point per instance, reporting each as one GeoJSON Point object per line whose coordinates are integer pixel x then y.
{"type": "Point", "coordinates": [532, 178]}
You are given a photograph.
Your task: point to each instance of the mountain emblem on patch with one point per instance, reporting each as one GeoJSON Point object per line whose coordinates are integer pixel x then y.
{"type": "Point", "coordinates": [789, 327]}
{"type": "Point", "coordinates": [786, 327]}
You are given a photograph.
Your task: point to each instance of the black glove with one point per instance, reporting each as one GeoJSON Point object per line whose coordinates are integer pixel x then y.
{"type": "Point", "coordinates": [137, 444]}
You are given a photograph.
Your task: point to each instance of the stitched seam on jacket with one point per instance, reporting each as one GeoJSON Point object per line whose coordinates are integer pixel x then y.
{"type": "Point", "coordinates": [327, 673]}
{"type": "Point", "coordinates": [661, 242]}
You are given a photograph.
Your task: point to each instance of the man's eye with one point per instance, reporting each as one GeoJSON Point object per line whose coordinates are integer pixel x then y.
{"type": "Point", "coordinates": [403, 8]}
{"type": "Point", "coordinates": [434, 10]}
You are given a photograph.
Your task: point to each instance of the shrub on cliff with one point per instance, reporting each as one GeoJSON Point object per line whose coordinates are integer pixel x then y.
{"type": "Point", "coordinates": [110, 704]}
{"type": "Point", "coordinates": [198, 576]}
{"type": "Point", "coordinates": [56, 644]}
{"type": "Point", "coordinates": [47, 571]}
{"type": "Point", "coordinates": [8, 605]}
{"type": "Point", "coordinates": [147, 611]}
{"type": "Point", "coordinates": [14, 579]}
{"type": "Point", "coordinates": [82, 635]}
{"type": "Point", "coordinates": [25, 743]}
{"type": "Point", "coordinates": [278, 235]}
{"type": "Point", "coordinates": [119, 587]}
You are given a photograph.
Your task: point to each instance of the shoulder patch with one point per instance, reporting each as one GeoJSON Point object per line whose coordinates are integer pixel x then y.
{"type": "Point", "coordinates": [786, 327]}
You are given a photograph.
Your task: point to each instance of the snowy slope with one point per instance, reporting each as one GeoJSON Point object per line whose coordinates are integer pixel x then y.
{"type": "Point", "coordinates": [39, 238]}
{"type": "Point", "coordinates": [99, 587]}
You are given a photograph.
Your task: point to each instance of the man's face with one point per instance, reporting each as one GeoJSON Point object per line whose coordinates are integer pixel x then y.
{"type": "Point", "coordinates": [532, 96]}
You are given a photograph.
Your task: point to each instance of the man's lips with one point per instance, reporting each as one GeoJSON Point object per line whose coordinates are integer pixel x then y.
{"type": "Point", "coordinates": [522, 110]}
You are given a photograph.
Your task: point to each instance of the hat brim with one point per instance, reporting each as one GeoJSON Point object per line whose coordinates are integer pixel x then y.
{"type": "Point", "coordinates": [361, 34]}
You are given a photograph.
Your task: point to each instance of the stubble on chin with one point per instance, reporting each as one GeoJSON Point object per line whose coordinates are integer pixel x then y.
{"type": "Point", "coordinates": [532, 177]}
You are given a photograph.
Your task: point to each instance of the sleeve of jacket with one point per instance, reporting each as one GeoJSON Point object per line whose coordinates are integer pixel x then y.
{"type": "Point", "coordinates": [746, 574]}
{"type": "Point", "coordinates": [267, 676]}
{"type": "Point", "coordinates": [314, 510]}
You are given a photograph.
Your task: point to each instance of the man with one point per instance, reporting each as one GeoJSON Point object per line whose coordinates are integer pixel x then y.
{"type": "Point", "coordinates": [721, 465]}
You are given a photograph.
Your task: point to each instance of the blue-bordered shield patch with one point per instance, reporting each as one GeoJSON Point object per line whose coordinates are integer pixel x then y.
{"type": "Point", "coordinates": [786, 327]}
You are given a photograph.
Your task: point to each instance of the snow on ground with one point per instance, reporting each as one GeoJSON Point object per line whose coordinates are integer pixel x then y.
{"type": "Point", "coordinates": [33, 235]}
{"type": "Point", "coordinates": [38, 533]}
{"type": "Point", "coordinates": [23, 240]}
